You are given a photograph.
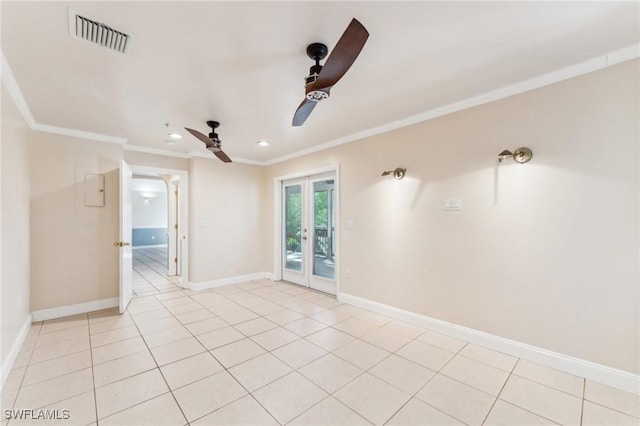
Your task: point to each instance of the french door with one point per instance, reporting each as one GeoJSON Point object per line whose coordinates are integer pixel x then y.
{"type": "Point", "coordinates": [308, 237]}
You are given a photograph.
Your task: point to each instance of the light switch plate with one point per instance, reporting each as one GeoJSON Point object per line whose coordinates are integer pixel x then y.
{"type": "Point", "coordinates": [452, 204]}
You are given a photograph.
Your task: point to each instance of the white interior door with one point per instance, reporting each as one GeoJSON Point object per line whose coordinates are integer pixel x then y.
{"type": "Point", "coordinates": [124, 245]}
{"type": "Point", "coordinates": [308, 237]}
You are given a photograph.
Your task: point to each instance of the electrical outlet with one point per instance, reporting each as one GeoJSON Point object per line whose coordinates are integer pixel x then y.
{"type": "Point", "coordinates": [347, 273]}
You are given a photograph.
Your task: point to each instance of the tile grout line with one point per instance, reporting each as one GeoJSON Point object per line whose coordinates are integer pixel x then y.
{"type": "Point", "coordinates": [26, 369]}
{"type": "Point", "coordinates": [270, 352]}
{"type": "Point", "coordinates": [584, 389]}
{"type": "Point", "coordinates": [430, 379]}
{"type": "Point", "coordinates": [52, 378]}
{"type": "Point", "coordinates": [512, 373]}
{"type": "Point", "coordinates": [306, 314]}
{"type": "Point", "coordinates": [225, 369]}
{"type": "Point", "coordinates": [93, 375]}
{"type": "Point", "coordinates": [328, 352]}
{"type": "Point", "coordinates": [161, 375]}
{"type": "Point", "coordinates": [501, 389]}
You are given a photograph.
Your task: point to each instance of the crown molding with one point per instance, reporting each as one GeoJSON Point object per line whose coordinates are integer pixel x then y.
{"type": "Point", "coordinates": [78, 134]}
{"type": "Point", "coordinates": [591, 65]}
{"type": "Point", "coordinates": [156, 151]}
{"type": "Point", "coordinates": [190, 154]}
{"type": "Point", "coordinates": [9, 80]}
{"type": "Point", "coordinates": [208, 156]}
{"type": "Point", "coordinates": [11, 84]}
{"type": "Point", "coordinates": [612, 58]}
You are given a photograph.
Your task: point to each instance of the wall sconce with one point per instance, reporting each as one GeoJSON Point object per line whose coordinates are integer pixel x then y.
{"type": "Point", "coordinates": [397, 173]}
{"type": "Point", "coordinates": [521, 155]}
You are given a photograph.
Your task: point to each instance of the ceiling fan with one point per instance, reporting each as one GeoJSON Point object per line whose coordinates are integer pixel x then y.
{"type": "Point", "coordinates": [212, 142]}
{"type": "Point", "coordinates": [323, 77]}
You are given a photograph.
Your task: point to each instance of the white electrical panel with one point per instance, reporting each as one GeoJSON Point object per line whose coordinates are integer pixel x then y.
{"type": "Point", "coordinates": [93, 190]}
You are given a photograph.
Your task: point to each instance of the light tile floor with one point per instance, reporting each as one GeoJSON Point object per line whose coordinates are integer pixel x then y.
{"type": "Point", "coordinates": [265, 353]}
{"type": "Point", "coordinates": [150, 272]}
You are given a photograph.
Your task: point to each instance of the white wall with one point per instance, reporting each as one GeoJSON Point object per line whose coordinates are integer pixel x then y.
{"type": "Point", "coordinates": [149, 203]}
{"type": "Point", "coordinates": [14, 230]}
{"type": "Point", "coordinates": [72, 255]}
{"type": "Point", "coordinates": [225, 205]}
{"type": "Point", "coordinates": [545, 253]}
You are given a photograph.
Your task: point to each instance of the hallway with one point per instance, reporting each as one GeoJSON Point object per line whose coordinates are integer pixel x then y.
{"type": "Point", "coordinates": [150, 272]}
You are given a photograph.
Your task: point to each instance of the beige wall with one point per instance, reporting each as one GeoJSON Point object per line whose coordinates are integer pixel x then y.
{"type": "Point", "coordinates": [72, 256]}
{"type": "Point", "coordinates": [545, 253]}
{"type": "Point", "coordinates": [14, 248]}
{"type": "Point", "coordinates": [225, 205]}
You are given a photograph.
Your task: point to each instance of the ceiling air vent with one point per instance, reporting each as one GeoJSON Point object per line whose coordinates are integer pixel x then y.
{"type": "Point", "coordinates": [96, 32]}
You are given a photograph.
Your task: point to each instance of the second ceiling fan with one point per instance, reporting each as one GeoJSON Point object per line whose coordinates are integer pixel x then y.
{"type": "Point", "coordinates": [323, 77]}
{"type": "Point", "coordinates": [212, 142]}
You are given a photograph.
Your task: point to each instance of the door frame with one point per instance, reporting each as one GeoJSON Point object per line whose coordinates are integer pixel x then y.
{"type": "Point", "coordinates": [277, 219]}
{"type": "Point", "coordinates": [183, 219]}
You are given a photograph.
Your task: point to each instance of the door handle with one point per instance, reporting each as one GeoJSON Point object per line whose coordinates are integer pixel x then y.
{"type": "Point", "coordinates": [120, 244]}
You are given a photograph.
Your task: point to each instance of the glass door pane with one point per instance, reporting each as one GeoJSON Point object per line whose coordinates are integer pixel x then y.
{"type": "Point", "coordinates": [292, 238]}
{"type": "Point", "coordinates": [323, 217]}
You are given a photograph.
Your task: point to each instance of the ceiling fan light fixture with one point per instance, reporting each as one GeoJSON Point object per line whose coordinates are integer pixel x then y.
{"type": "Point", "coordinates": [317, 95]}
{"type": "Point", "coordinates": [211, 142]}
{"type": "Point", "coordinates": [263, 143]}
{"type": "Point", "coordinates": [174, 135]}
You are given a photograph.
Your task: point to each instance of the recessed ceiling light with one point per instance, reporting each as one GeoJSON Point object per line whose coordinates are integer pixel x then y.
{"type": "Point", "coordinates": [175, 135]}
{"type": "Point", "coordinates": [263, 143]}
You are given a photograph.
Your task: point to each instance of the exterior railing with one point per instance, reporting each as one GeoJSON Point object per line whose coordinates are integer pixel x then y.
{"type": "Point", "coordinates": [324, 238]}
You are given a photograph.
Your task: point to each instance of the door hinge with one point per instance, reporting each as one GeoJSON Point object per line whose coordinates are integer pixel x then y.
{"type": "Point", "coordinates": [175, 260]}
{"type": "Point", "coordinates": [175, 226]}
{"type": "Point", "coordinates": [175, 192]}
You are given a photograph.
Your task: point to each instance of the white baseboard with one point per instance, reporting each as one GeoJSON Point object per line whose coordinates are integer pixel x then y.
{"type": "Point", "coordinates": [590, 370]}
{"type": "Point", "coordinates": [80, 308]}
{"type": "Point", "coordinates": [205, 285]}
{"type": "Point", "coordinates": [7, 363]}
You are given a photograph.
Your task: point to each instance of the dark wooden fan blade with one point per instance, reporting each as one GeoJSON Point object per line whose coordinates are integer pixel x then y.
{"type": "Point", "coordinates": [200, 136]}
{"type": "Point", "coordinates": [343, 55]}
{"type": "Point", "coordinates": [224, 157]}
{"type": "Point", "coordinates": [303, 112]}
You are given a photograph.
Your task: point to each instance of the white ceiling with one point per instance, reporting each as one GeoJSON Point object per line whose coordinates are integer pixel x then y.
{"type": "Point", "coordinates": [243, 63]}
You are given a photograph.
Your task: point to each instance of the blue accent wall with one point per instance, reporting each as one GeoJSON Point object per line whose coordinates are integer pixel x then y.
{"type": "Point", "coordinates": [149, 236]}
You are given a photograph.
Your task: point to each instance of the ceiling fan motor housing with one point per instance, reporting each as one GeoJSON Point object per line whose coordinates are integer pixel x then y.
{"type": "Point", "coordinates": [317, 52]}
{"type": "Point", "coordinates": [314, 72]}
